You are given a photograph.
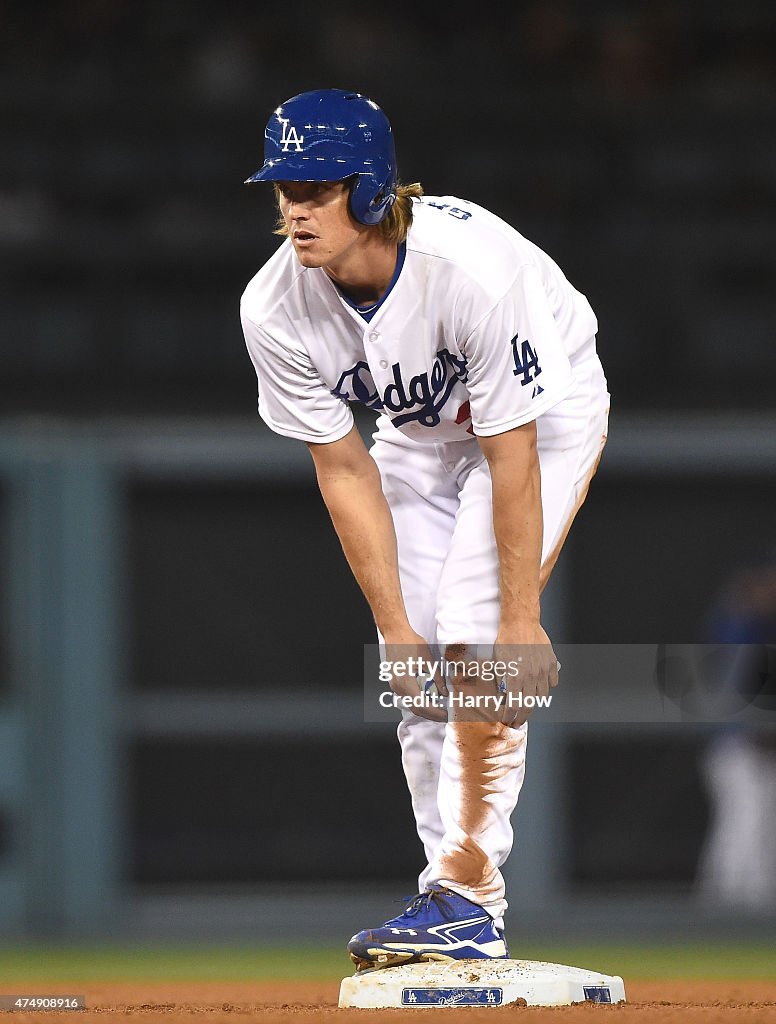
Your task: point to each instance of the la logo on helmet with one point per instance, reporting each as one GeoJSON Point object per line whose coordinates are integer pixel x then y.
{"type": "Point", "coordinates": [290, 137]}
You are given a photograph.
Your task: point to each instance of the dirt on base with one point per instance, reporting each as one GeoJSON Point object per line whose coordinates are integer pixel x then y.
{"type": "Point", "coordinates": [713, 1001]}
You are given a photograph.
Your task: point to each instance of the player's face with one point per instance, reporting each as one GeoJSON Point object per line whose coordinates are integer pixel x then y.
{"type": "Point", "coordinates": [319, 223]}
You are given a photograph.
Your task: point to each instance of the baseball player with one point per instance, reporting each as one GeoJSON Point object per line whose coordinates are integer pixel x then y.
{"type": "Point", "coordinates": [479, 358]}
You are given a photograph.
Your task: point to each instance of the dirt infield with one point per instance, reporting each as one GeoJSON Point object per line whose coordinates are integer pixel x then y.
{"type": "Point", "coordinates": [228, 1002]}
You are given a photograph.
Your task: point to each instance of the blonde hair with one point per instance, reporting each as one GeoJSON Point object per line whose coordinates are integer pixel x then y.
{"type": "Point", "coordinates": [394, 227]}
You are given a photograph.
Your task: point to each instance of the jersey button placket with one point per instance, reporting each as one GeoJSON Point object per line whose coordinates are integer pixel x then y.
{"type": "Point", "coordinates": [374, 337]}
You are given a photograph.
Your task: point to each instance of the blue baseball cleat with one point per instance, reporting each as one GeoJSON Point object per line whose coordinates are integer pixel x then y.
{"type": "Point", "coordinates": [436, 925]}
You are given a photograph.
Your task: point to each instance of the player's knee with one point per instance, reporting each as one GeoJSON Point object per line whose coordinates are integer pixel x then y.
{"type": "Point", "coordinates": [454, 652]}
{"type": "Point", "coordinates": [457, 657]}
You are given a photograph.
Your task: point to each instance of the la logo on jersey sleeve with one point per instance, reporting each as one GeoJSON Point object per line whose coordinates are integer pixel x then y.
{"type": "Point", "coordinates": [527, 366]}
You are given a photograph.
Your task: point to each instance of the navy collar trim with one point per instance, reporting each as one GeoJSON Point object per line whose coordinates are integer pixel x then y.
{"type": "Point", "coordinates": [368, 311]}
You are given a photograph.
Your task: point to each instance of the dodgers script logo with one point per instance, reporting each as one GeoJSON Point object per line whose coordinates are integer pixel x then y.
{"type": "Point", "coordinates": [469, 996]}
{"type": "Point", "coordinates": [289, 137]}
{"type": "Point", "coordinates": [430, 391]}
{"type": "Point", "coordinates": [356, 385]}
{"type": "Point", "coordinates": [419, 400]}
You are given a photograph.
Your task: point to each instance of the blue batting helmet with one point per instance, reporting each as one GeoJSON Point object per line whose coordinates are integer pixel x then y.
{"type": "Point", "coordinates": [329, 135]}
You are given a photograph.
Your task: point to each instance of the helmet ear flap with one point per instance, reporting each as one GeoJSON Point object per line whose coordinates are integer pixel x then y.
{"type": "Point", "coordinates": [383, 204]}
{"type": "Point", "coordinates": [367, 207]}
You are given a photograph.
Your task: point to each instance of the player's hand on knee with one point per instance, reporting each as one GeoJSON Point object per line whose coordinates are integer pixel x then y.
{"type": "Point", "coordinates": [415, 676]}
{"type": "Point", "coordinates": [531, 672]}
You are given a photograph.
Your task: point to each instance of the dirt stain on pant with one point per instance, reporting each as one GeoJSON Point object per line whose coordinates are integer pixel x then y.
{"type": "Point", "coordinates": [487, 754]}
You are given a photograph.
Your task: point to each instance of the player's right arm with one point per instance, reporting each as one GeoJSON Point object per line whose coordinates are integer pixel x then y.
{"type": "Point", "coordinates": [350, 485]}
{"type": "Point", "coordinates": [295, 402]}
{"type": "Point", "coordinates": [349, 482]}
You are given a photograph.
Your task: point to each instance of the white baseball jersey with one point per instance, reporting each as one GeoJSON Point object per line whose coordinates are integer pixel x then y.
{"type": "Point", "coordinates": [479, 332]}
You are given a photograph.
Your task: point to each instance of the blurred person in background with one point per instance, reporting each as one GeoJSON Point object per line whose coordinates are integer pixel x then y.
{"type": "Point", "coordinates": [737, 867]}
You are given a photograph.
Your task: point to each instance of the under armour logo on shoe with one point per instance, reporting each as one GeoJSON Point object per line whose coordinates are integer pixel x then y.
{"type": "Point", "coordinates": [404, 931]}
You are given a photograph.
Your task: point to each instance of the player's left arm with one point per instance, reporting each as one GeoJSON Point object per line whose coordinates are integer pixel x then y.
{"type": "Point", "coordinates": [513, 460]}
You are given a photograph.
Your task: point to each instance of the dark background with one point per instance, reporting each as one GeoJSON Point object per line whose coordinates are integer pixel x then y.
{"type": "Point", "coordinates": [633, 141]}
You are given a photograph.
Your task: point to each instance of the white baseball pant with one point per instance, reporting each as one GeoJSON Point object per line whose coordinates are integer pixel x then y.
{"type": "Point", "coordinates": [464, 778]}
